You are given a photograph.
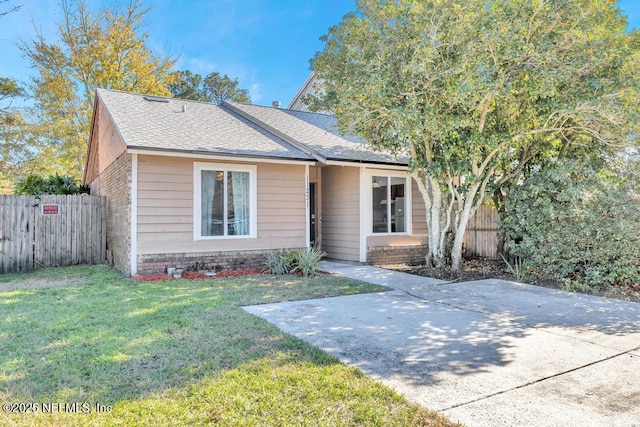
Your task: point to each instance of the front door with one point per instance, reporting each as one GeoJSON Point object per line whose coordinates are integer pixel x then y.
{"type": "Point", "coordinates": [313, 227]}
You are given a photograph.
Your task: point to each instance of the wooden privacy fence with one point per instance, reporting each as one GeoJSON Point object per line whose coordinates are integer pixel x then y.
{"type": "Point", "coordinates": [51, 231]}
{"type": "Point", "coordinates": [481, 237]}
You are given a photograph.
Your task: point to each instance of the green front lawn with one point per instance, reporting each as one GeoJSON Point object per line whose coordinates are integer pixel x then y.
{"type": "Point", "coordinates": [176, 352]}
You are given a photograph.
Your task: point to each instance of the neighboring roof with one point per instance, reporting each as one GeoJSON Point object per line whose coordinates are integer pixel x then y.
{"type": "Point", "coordinates": [234, 129]}
{"type": "Point", "coordinates": [310, 86]}
{"type": "Point", "coordinates": [319, 132]}
{"type": "Point", "coordinates": [199, 127]}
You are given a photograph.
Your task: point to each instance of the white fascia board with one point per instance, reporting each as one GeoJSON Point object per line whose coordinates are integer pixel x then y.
{"type": "Point", "coordinates": [366, 165]}
{"type": "Point", "coordinates": [219, 157]}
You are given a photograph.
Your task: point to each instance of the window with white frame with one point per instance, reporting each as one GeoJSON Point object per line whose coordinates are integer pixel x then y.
{"type": "Point", "coordinates": [389, 212]}
{"type": "Point", "coordinates": [225, 201]}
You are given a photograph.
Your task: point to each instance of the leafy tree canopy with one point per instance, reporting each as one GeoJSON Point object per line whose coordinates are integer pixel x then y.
{"type": "Point", "coordinates": [475, 91]}
{"type": "Point", "coordinates": [9, 89]}
{"type": "Point", "coordinates": [16, 143]}
{"type": "Point", "coordinates": [19, 145]}
{"type": "Point", "coordinates": [54, 184]}
{"type": "Point", "coordinates": [212, 88]}
{"type": "Point", "coordinates": [95, 49]}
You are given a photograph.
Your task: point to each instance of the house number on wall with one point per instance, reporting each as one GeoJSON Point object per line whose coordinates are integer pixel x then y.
{"type": "Point", "coordinates": [307, 195]}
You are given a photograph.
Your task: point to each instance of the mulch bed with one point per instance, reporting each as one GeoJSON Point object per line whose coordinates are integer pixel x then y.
{"type": "Point", "coordinates": [484, 268]}
{"type": "Point", "coordinates": [473, 269]}
{"type": "Point", "coordinates": [194, 275]}
{"type": "Point", "coordinates": [201, 275]}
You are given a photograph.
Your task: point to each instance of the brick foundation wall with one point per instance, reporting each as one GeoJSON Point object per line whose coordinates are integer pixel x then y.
{"type": "Point", "coordinates": [115, 183]}
{"type": "Point", "coordinates": [210, 261]}
{"type": "Point", "coordinates": [388, 255]}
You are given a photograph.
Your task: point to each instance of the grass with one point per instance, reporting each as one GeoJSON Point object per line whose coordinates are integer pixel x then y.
{"type": "Point", "coordinates": [177, 352]}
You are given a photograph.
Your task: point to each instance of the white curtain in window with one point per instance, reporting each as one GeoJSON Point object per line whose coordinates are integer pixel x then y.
{"type": "Point", "coordinates": [207, 194]}
{"type": "Point", "coordinates": [240, 185]}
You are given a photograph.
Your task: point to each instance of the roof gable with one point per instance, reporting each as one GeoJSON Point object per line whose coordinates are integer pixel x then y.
{"type": "Point", "coordinates": [233, 129]}
{"type": "Point", "coordinates": [198, 127]}
{"type": "Point", "coordinates": [317, 131]}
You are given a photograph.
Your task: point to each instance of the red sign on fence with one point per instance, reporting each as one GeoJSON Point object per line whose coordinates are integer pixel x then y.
{"type": "Point", "coordinates": [50, 209]}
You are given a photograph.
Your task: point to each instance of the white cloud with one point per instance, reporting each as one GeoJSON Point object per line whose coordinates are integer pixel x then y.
{"type": "Point", "coordinates": [255, 92]}
{"type": "Point", "coordinates": [198, 65]}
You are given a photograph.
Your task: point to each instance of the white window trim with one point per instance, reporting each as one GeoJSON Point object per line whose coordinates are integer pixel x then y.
{"type": "Point", "coordinates": [198, 167]}
{"type": "Point", "coordinates": [367, 193]}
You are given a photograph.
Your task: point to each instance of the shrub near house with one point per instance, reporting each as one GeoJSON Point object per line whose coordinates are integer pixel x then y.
{"type": "Point", "coordinates": [55, 184]}
{"type": "Point", "coordinates": [577, 223]}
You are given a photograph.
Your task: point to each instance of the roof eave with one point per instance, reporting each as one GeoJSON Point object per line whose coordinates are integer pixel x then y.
{"type": "Point", "coordinates": [352, 162]}
{"type": "Point", "coordinates": [172, 152]}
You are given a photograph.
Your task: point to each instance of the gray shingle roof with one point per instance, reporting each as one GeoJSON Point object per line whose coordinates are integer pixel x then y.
{"type": "Point", "coordinates": [233, 129]}
{"type": "Point", "coordinates": [318, 132]}
{"type": "Point", "coordinates": [201, 128]}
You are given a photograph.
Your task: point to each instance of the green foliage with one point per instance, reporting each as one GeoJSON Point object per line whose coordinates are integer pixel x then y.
{"type": "Point", "coordinates": [55, 184]}
{"type": "Point", "coordinates": [212, 88]}
{"type": "Point", "coordinates": [9, 89]}
{"type": "Point", "coordinates": [578, 224]}
{"type": "Point", "coordinates": [182, 354]}
{"type": "Point", "coordinates": [306, 261]}
{"type": "Point", "coordinates": [18, 148]}
{"type": "Point", "coordinates": [477, 92]}
{"type": "Point", "coordinates": [104, 49]}
{"type": "Point", "coordinates": [303, 260]}
{"type": "Point", "coordinates": [18, 141]}
{"type": "Point", "coordinates": [279, 263]}
{"type": "Point", "coordinates": [517, 268]}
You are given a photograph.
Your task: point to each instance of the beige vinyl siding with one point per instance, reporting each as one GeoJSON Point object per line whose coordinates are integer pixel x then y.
{"type": "Point", "coordinates": [419, 211]}
{"type": "Point", "coordinates": [341, 212]}
{"type": "Point", "coordinates": [165, 208]}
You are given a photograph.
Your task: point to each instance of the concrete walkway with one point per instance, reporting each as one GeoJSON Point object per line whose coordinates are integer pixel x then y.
{"type": "Point", "coordinates": [485, 353]}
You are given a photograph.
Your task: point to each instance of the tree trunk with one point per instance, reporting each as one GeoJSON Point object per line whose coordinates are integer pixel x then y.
{"type": "Point", "coordinates": [469, 206]}
{"type": "Point", "coordinates": [432, 196]}
{"type": "Point", "coordinates": [456, 251]}
{"type": "Point", "coordinates": [499, 197]}
{"type": "Point", "coordinates": [436, 251]}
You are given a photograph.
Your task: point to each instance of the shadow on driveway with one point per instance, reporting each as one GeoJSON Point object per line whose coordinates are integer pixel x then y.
{"type": "Point", "coordinates": [489, 352]}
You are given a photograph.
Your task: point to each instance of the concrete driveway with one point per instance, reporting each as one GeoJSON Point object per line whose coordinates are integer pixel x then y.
{"type": "Point", "coordinates": [485, 353]}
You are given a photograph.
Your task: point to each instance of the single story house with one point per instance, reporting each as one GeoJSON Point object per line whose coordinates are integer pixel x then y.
{"type": "Point", "coordinates": [205, 186]}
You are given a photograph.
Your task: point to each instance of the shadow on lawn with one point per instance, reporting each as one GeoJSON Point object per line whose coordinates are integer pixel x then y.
{"type": "Point", "coordinates": [115, 339]}
{"type": "Point", "coordinates": [111, 342]}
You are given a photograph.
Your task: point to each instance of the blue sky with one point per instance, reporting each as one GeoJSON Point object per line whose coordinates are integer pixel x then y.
{"type": "Point", "coordinates": [266, 44]}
